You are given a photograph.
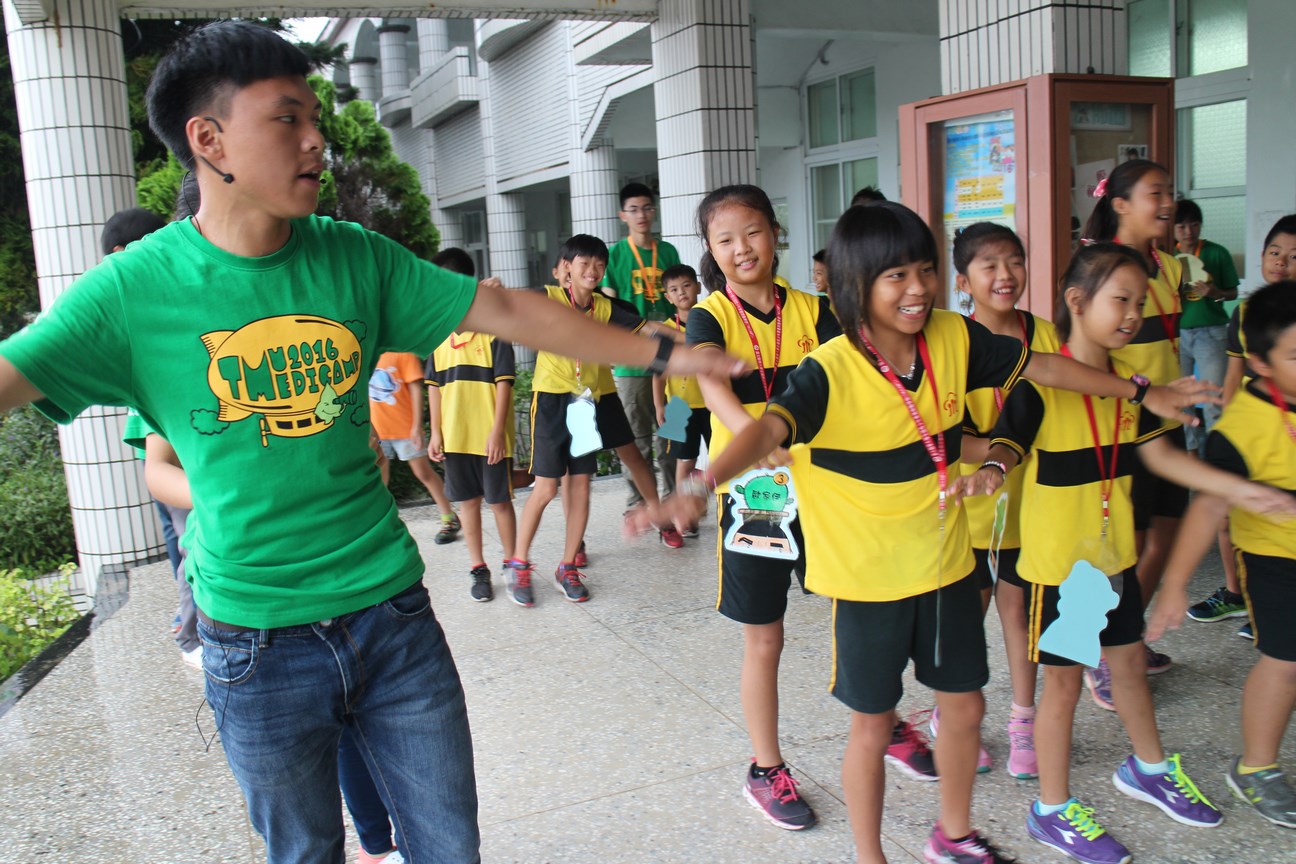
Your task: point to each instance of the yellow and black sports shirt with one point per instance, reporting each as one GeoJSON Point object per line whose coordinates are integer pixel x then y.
{"type": "Point", "coordinates": [1152, 350]}
{"type": "Point", "coordinates": [1236, 345]}
{"type": "Point", "coordinates": [983, 414]}
{"type": "Point", "coordinates": [1061, 499]}
{"type": "Point", "coordinates": [683, 386]}
{"type": "Point", "coordinates": [1249, 439]}
{"type": "Point", "coordinates": [557, 374]}
{"type": "Point", "coordinates": [807, 324]}
{"type": "Point", "coordinates": [465, 368]}
{"type": "Point", "coordinates": [869, 492]}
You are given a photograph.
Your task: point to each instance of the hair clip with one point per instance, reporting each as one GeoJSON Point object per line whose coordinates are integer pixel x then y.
{"type": "Point", "coordinates": [1101, 189]}
{"type": "Point", "coordinates": [1087, 241]}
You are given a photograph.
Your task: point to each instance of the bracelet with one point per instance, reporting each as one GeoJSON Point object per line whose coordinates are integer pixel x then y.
{"type": "Point", "coordinates": [697, 484]}
{"type": "Point", "coordinates": [991, 463]}
{"type": "Point", "coordinates": [1142, 384]}
{"type": "Point", "coordinates": [665, 347]}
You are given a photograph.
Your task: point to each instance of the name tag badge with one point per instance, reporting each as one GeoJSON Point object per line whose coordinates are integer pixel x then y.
{"type": "Point", "coordinates": [764, 505]}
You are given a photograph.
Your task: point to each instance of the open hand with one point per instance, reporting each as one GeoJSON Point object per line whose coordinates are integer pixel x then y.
{"type": "Point", "coordinates": [1173, 400]}
{"type": "Point", "coordinates": [1167, 613]}
{"type": "Point", "coordinates": [983, 482]}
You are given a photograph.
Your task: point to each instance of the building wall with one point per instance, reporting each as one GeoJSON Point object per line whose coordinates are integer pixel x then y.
{"type": "Point", "coordinates": [529, 109]}
{"type": "Point", "coordinates": [1271, 123]}
{"type": "Point", "coordinates": [461, 171]}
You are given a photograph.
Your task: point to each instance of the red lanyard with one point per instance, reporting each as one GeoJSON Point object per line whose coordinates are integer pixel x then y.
{"type": "Point", "coordinates": [649, 279]}
{"type": "Point", "coordinates": [935, 447]}
{"type": "Point", "coordinates": [1167, 323]}
{"type": "Point", "coordinates": [1107, 478]}
{"type": "Point", "coordinates": [588, 310]}
{"type": "Point", "coordinates": [998, 391]}
{"type": "Point", "coordinates": [1282, 407]}
{"type": "Point", "coordinates": [768, 385]}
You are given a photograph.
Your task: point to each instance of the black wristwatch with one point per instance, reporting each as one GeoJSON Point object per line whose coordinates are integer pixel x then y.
{"type": "Point", "coordinates": [665, 346]}
{"type": "Point", "coordinates": [1142, 383]}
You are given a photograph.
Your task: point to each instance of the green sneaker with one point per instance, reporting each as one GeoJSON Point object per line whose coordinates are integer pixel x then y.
{"type": "Point", "coordinates": [450, 529]}
{"type": "Point", "coordinates": [1218, 606]}
{"type": "Point", "coordinates": [1267, 791]}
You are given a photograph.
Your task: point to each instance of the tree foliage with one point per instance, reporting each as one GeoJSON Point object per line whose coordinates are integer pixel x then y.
{"type": "Point", "coordinates": [18, 295]}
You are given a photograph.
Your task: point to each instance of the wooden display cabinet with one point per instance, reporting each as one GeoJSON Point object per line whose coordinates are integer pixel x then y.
{"type": "Point", "coordinates": [1027, 154]}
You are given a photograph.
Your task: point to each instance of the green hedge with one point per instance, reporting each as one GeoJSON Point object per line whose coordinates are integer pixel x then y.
{"type": "Point", "coordinates": [32, 616]}
{"type": "Point", "coordinates": [35, 521]}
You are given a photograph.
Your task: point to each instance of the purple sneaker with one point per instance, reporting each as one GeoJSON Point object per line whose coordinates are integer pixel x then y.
{"type": "Point", "coordinates": [1098, 680]}
{"type": "Point", "coordinates": [1074, 833]}
{"type": "Point", "coordinates": [1172, 791]}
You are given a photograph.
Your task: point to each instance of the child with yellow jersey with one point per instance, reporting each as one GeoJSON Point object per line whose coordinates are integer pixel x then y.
{"type": "Point", "coordinates": [881, 413]}
{"type": "Point", "coordinates": [991, 266]}
{"type": "Point", "coordinates": [1135, 208]}
{"type": "Point", "coordinates": [1077, 504]}
{"type": "Point", "coordinates": [1256, 439]}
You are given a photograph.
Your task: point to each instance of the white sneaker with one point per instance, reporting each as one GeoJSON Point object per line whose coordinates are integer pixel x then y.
{"type": "Point", "coordinates": [192, 658]}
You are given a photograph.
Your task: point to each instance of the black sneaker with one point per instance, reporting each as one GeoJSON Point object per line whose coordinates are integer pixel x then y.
{"type": "Point", "coordinates": [775, 795]}
{"type": "Point", "coordinates": [567, 579]}
{"type": "Point", "coordinates": [481, 587]}
{"type": "Point", "coordinates": [1219, 606]}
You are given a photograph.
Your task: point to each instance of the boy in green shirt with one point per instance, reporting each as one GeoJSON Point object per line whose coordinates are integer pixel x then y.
{"type": "Point", "coordinates": [244, 336]}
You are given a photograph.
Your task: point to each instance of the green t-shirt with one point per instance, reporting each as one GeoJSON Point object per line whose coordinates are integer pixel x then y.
{"type": "Point", "coordinates": [255, 370]}
{"type": "Point", "coordinates": [135, 431]}
{"type": "Point", "coordinates": [640, 287]}
{"type": "Point", "coordinates": [1205, 311]}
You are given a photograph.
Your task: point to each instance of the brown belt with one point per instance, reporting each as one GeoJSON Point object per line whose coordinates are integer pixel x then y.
{"type": "Point", "coordinates": [221, 625]}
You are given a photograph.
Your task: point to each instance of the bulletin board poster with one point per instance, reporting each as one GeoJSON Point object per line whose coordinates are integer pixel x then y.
{"type": "Point", "coordinates": [980, 181]}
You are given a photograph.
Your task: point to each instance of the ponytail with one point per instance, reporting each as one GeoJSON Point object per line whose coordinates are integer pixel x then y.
{"type": "Point", "coordinates": [710, 272]}
{"type": "Point", "coordinates": [1104, 223]}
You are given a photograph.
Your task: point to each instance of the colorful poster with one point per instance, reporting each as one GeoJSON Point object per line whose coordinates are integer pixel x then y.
{"type": "Point", "coordinates": [980, 180]}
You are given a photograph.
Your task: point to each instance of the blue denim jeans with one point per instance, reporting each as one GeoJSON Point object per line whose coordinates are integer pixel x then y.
{"type": "Point", "coordinates": [363, 800]}
{"type": "Point", "coordinates": [281, 698]}
{"type": "Point", "coordinates": [1203, 349]}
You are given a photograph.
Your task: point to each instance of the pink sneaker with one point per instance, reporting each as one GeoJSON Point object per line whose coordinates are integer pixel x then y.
{"type": "Point", "coordinates": [1022, 763]}
{"type": "Point", "coordinates": [909, 752]}
{"type": "Point", "coordinates": [983, 758]}
{"type": "Point", "coordinates": [973, 849]}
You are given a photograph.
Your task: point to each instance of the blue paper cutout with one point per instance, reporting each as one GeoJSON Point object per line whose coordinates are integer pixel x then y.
{"type": "Point", "coordinates": [677, 416]}
{"type": "Point", "coordinates": [583, 426]}
{"type": "Point", "coordinates": [1084, 599]}
{"type": "Point", "coordinates": [764, 505]}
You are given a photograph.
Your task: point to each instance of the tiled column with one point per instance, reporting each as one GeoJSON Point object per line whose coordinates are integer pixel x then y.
{"type": "Point", "coordinates": [505, 213]}
{"type": "Point", "coordinates": [70, 83]}
{"type": "Point", "coordinates": [706, 128]}
{"type": "Point", "coordinates": [364, 77]}
{"type": "Point", "coordinates": [433, 41]}
{"type": "Point", "coordinates": [395, 62]}
{"type": "Point", "coordinates": [594, 193]}
{"type": "Point", "coordinates": [984, 44]}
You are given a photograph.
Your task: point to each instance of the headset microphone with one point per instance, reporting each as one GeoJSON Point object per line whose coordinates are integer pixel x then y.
{"type": "Point", "coordinates": [228, 178]}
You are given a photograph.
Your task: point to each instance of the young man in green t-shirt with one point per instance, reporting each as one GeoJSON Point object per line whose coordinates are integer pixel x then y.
{"type": "Point", "coordinates": [244, 335]}
{"type": "Point", "coordinates": [634, 271]}
{"type": "Point", "coordinates": [1203, 327]}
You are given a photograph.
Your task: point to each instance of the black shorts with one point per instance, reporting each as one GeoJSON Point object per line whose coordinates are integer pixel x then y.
{"type": "Point", "coordinates": [1007, 568]}
{"type": "Point", "coordinates": [1124, 623]}
{"type": "Point", "coordinates": [697, 431]}
{"type": "Point", "coordinates": [1269, 586]}
{"type": "Point", "coordinates": [874, 642]}
{"type": "Point", "coordinates": [467, 476]}
{"type": "Point", "coordinates": [613, 425]}
{"type": "Point", "coordinates": [754, 589]}
{"type": "Point", "coordinates": [551, 442]}
{"type": "Point", "coordinates": [1156, 496]}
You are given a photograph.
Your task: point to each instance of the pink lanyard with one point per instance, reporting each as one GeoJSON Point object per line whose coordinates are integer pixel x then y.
{"type": "Point", "coordinates": [1106, 477]}
{"type": "Point", "coordinates": [768, 385]}
{"type": "Point", "coordinates": [935, 447]}
{"type": "Point", "coordinates": [588, 310]}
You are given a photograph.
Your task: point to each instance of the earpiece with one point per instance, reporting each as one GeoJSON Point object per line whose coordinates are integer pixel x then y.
{"type": "Point", "coordinates": [228, 178]}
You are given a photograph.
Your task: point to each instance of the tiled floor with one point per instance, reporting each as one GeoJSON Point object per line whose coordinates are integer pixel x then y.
{"type": "Point", "coordinates": [605, 732]}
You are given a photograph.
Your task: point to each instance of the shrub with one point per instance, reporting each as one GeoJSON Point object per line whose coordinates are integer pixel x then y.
{"type": "Point", "coordinates": [32, 616]}
{"type": "Point", "coordinates": [35, 521]}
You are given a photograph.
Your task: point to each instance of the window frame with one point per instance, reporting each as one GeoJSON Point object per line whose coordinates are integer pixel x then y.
{"type": "Point", "coordinates": [843, 152]}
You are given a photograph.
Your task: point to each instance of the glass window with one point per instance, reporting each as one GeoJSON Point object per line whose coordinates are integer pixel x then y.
{"type": "Point", "coordinates": [825, 189]}
{"type": "Point", "coordinates": [858, 106]}
{"type": "Point", "coordinates": [858, 174]}
{"type": "Point", "coordinates": [823, 113]}
{"type": "Point", "coordinates": [1217, 37]}
{"type": "Point", "coordinates": [1224, 222]}
{"type": "Point", "coordinates": [1216, 144]}
{"type": "Point", "coordinates": [1149, 37]}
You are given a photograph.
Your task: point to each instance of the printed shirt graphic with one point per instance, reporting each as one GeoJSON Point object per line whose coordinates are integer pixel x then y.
{"type": "Point", "coordinates": [255, 370]}
{"type": "Point", "coordinates": [389, 397]}
{"type": "Point", "coordinates": [642, 290]}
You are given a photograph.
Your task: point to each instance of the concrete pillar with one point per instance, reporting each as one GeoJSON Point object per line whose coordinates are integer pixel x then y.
{"type": "Point", "coordinates": [74, 128]}
{"type": "Point", "coordinates": [594, 190]}
{"type": "Point", "coordinates": [395, 62]}
{"type": "Point", "coordinates": [986, 44]}
{"type": "Point", "coordinates": [433, 42]}
{"type": "Point", "coordinates": [446, 221]}
{"type": "Point", "coordinates": [704, 93]}
{"type": "Point", "coordinates": [505, 213]}
{"type": "Point", "coordinates": [364, 78]}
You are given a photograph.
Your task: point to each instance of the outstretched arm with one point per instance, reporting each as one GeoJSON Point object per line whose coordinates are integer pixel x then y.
{"type": "Point", "coordinates": [1170, 400]}
{"type": "Point", "coordinates": [1205, 515]}
{"type": "Point", "coordinates": [15, 389]}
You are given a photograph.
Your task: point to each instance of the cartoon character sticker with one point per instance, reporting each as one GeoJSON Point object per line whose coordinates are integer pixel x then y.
{"type": "Point", "coordinates": [764, 505]}
{"type": "Point", "coordinates": [296, 373]}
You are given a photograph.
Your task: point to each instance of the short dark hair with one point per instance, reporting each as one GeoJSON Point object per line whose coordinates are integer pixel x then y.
{"type": "Point", "coordinates": [127, 226]}
{"type": "Point", "coordinates": [679, 271]}
{"type": "Point", "coordinates": [1186, 210]}
{"type": "Point", "coordinates": [455, 260]}
{"type": "Point", "coordinates": [1103, 222]}
{"type": "Point", "coordinates": [201, 68]}
{"type": "Point", "coordinates": [820, 257]}
{"type": "Point", "coordinates": [1285, 225]}
{"type": "Point", "coordinates": [743, 195]}
{"type": "Point", "coordinates": [1089, 270]}
{"type": "Point", "coordinates": [972, 239]}
{"type": "Point", "coordinates": [1269, 312]}
{"type": "Point", "coordinates": [635, 190]}
{"type": "Point", "coordinates": [866, 242]}
{"type": "Point", "coordinates": [866, 196]}
{"type": "Point", "coordinates": [583, 246]}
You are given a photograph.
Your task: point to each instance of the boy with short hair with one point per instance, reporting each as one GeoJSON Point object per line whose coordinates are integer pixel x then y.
{"type": "Point", "coordinates": [682, 290]}
{"type": "Point", "coordinates": [1255, 438]}
{"type": "Point", "coordinates": [819, 271]}
{"type": "Point", "coordinates": [242, 335]}
{"type": "Point", "coordinates": [470, 406]}
{"type": "Point", "coordinates": [634, 274]}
